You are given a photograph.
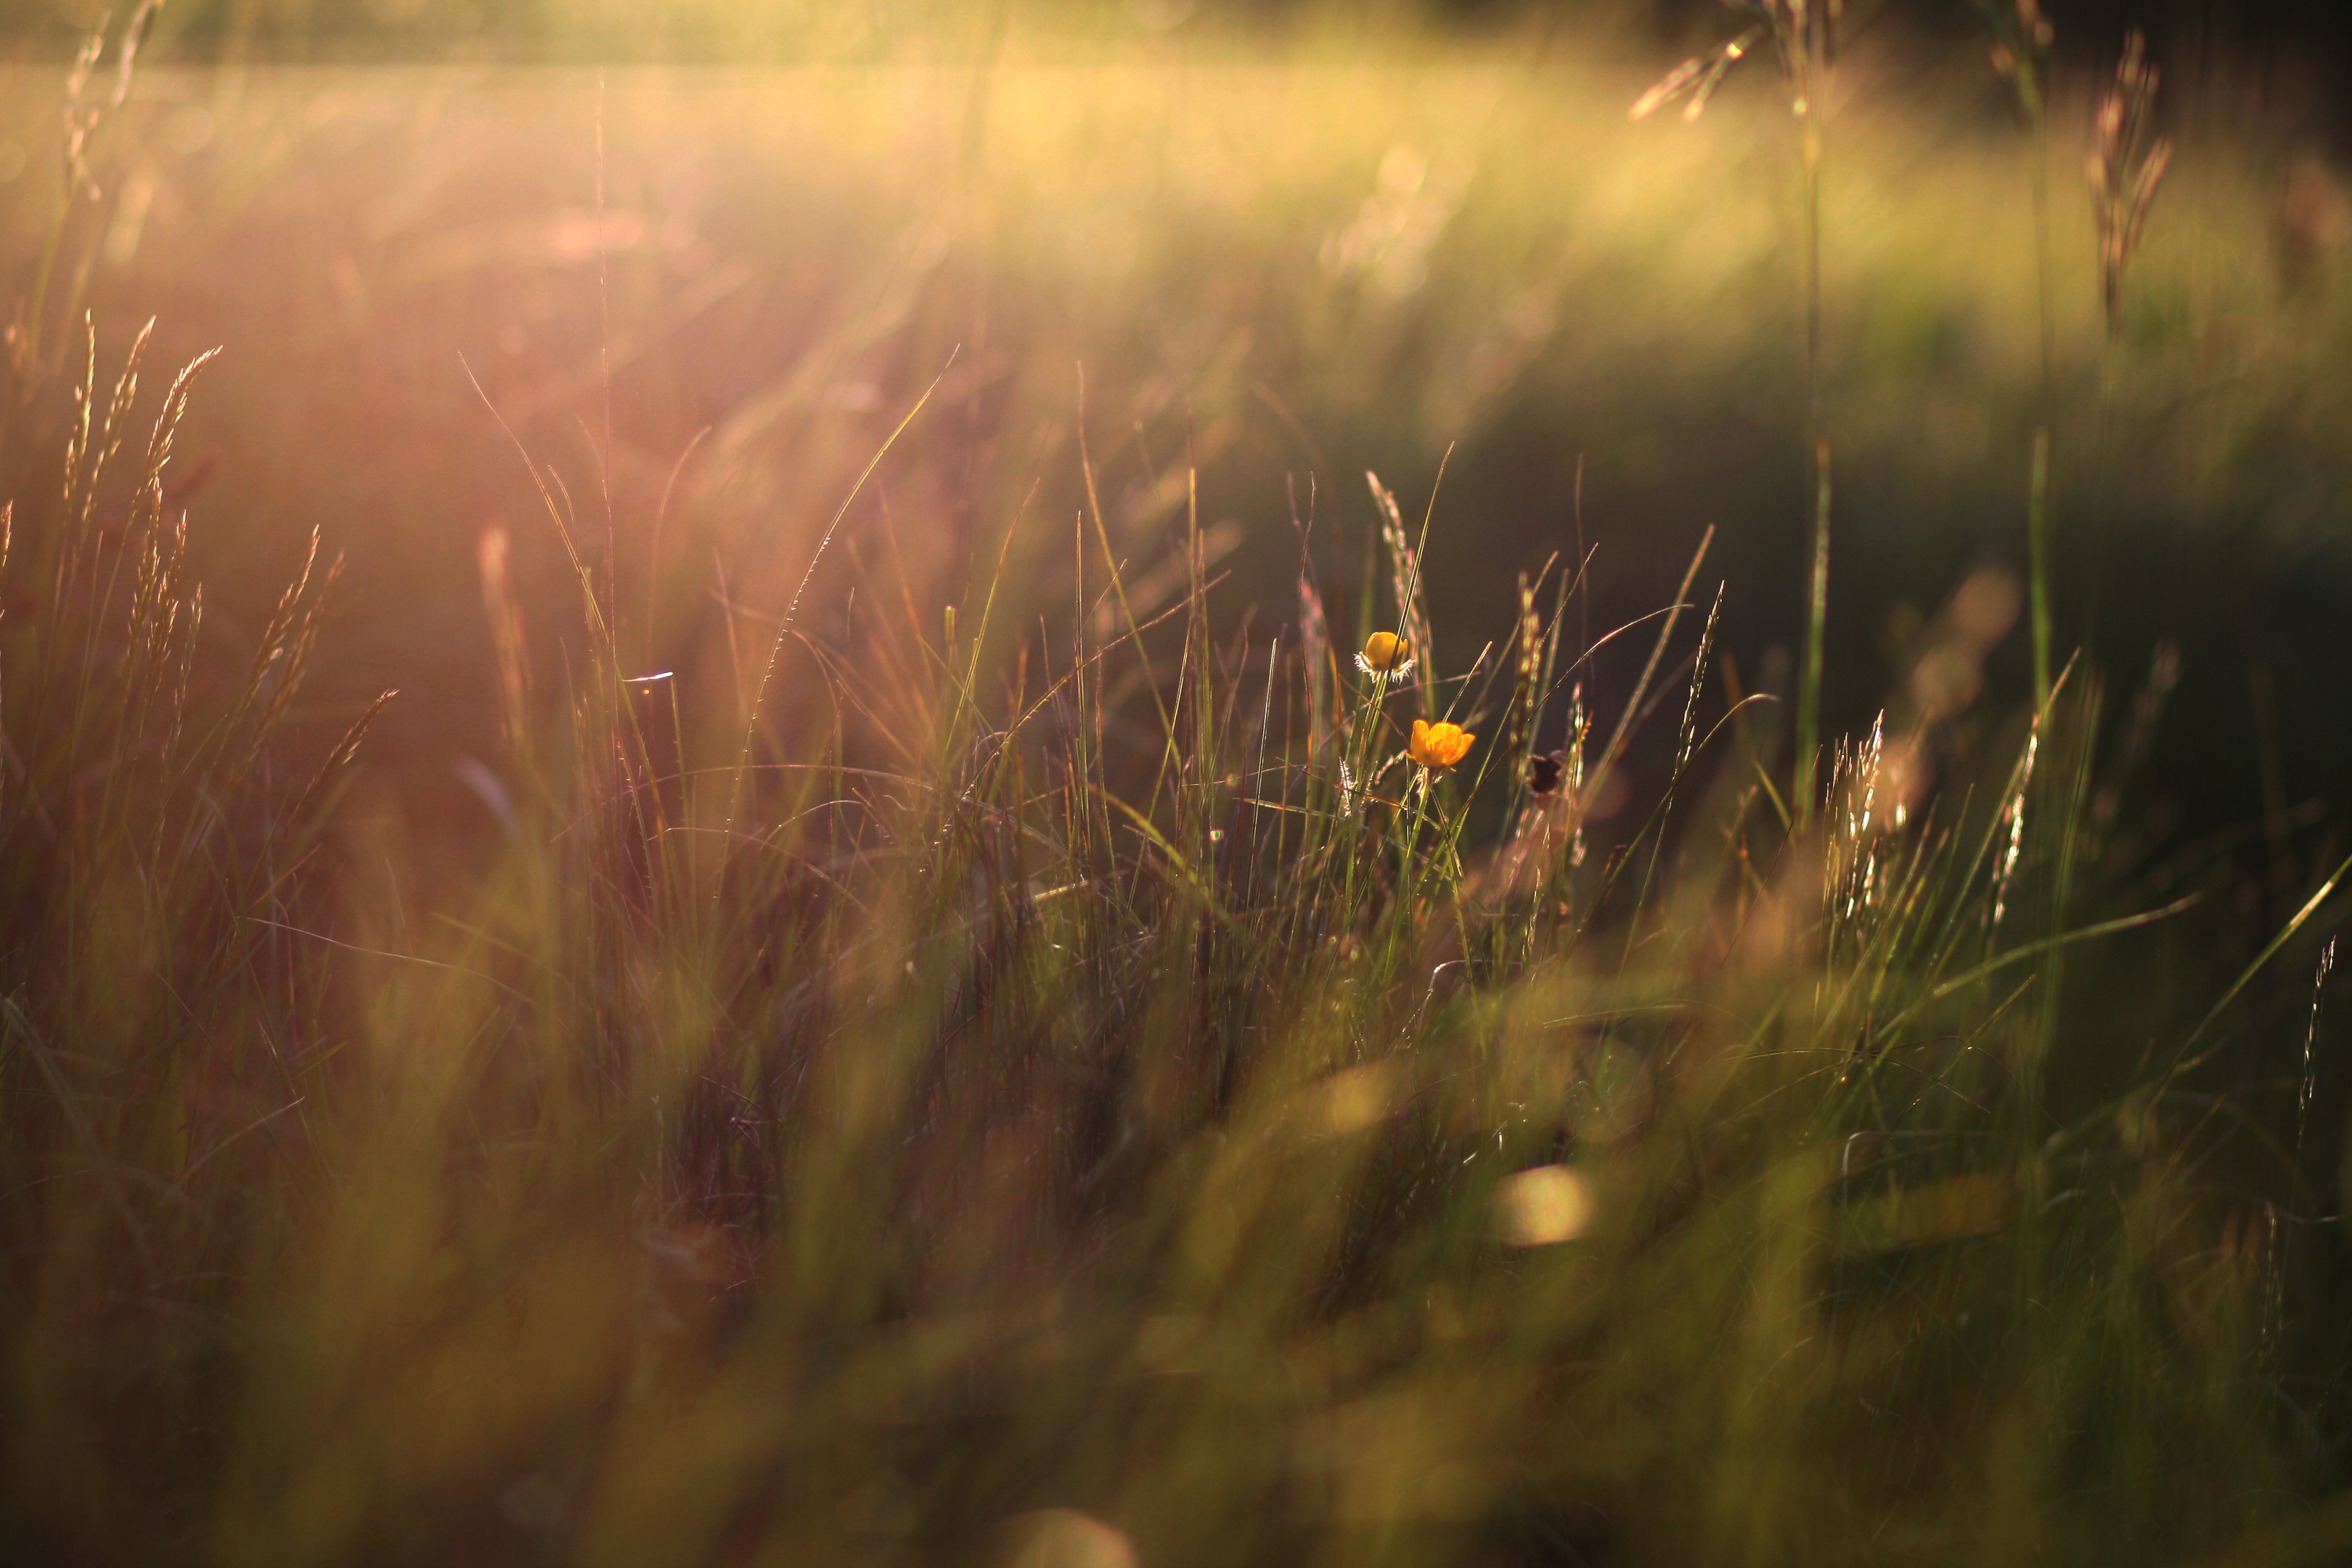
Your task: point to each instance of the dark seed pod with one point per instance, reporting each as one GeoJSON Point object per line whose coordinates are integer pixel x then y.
{"type": "Point", "coordinates": [1543, 772]}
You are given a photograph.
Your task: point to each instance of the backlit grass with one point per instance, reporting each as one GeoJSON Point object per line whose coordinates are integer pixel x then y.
{"type": "Point", "coordinates": [907, 976]}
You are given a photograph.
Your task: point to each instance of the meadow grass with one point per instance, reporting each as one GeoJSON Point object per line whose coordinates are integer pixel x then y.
{"type": "Point", "coordinates": [1476, 250]}
{"type": "Point", "coordinates": [1036, 1064]}
{"type": "Point", "coordinates": [1084, 1072]}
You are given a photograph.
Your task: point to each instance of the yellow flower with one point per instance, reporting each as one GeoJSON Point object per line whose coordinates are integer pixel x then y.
{"type": "Point", "coordinates": [1385, 653]}
{"type": "Point", "coordinates": [1438, 747]}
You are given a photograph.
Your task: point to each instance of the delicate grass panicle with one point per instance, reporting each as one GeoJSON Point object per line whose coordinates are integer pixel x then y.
{"type": "Point", "coordinates": [1061, 1081]}
{"type": "Point", "coordinates": [2126, 166]}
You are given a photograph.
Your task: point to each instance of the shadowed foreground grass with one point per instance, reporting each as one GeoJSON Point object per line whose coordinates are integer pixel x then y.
{"type": "Point", "coordinates": [1077, 1095]}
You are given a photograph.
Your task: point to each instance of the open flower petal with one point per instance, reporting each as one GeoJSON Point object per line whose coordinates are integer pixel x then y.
{"type": "Point", "coordinates": [1438, 747]}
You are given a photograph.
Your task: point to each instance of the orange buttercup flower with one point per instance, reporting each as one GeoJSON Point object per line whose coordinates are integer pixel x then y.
{"type": "Point", "coordinates": [1385, 653]}
{"type": "Point", "coordinates": [1438, 747]}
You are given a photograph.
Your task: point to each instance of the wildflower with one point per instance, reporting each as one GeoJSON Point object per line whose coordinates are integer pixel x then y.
{"type": "Point", "coordinates": [1438, 747]}
{"type": "Point", "coordinates": [1386, 654]}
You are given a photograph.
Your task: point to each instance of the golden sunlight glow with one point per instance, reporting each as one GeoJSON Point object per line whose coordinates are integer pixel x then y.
{"type": "Point", "coordinates": [1064, 1538]}
{"type": "Point", "coordinates": [1540, 1207]}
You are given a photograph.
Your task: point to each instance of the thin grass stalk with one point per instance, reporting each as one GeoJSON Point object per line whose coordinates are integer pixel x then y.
{"type": "Point", "coordinates": [1805, 35]}
{"type": "Point", "coordinates": [2021, 56]}
{"type": "Point", "coordinates": [2125, 169]}
{"type": "Point", "coordinates": [2039, 570]}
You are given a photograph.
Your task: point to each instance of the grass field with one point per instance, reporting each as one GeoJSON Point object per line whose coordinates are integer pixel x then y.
{"type": "Point", "coordinates": [888, 984]}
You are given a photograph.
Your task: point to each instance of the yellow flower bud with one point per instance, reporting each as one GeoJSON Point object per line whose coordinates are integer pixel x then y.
{"type": "Point", "coordinates": [1385, 653]}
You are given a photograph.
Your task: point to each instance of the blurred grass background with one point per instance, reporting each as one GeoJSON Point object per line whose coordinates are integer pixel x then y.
{"type": "Point", "coordinates": [703, 259]}
{"type": "Point", "coordinates": [1400, 243]}
{"type": "Point", "coordinates": [1335, 253]}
